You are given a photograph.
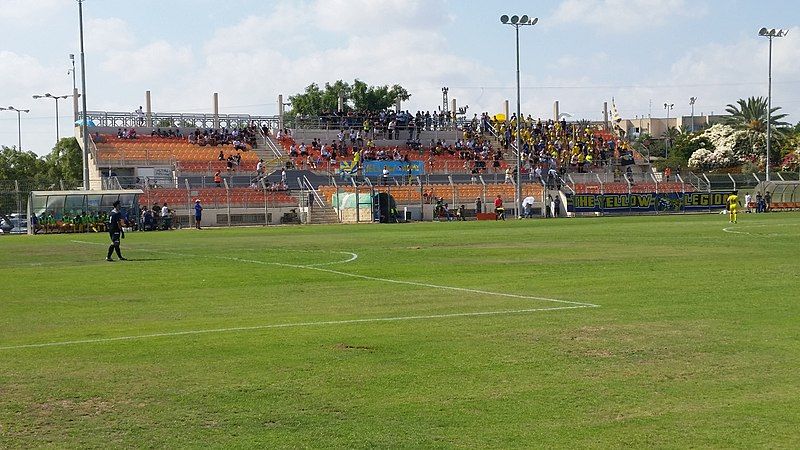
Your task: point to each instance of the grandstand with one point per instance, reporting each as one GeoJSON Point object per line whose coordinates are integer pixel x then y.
{"type": "Point", "coordinates": [457, 162]}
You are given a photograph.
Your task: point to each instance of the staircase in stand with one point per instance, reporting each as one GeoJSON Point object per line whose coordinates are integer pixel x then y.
{"type": "Point", "coordinates": [319, 214]}
{"type": "Point", "coordinates": [272, 162]}
{"type": "Point", "coordinates": [323, 214]}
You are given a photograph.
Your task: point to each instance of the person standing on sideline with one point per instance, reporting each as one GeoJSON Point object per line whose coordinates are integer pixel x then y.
{"type": "Point", "coordinates": [499, 211]}
{"type": "Point", "coordinates": [547, 208]}
{"type": "Point", "coordinates": [198, 213]}
{"type": "Point", "coordinates": [165, 222]}
{"type": "Point", "coordinates": [115, 231]}
{"type": "Point", "coordinates": [478, 205]}
{"type": "Point", "coordinates": [557, 206]}
{"type": "Point", "coordinates": [733, 205]}
{"type": "Point", "coordinates": [747, 200]}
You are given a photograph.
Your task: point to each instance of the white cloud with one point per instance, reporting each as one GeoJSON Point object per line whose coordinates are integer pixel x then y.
{"type": "Point", "coordinates": [254, 74]}
{"type": "Point", "coordinates": [107, 34]}
{"type": "Point", "coordinates": [359, 17]}
{"type": "Point", "coordinates": [21, 76]}
{"type": "Point", "coordinates": [623, 15]}
{"type": "Point", "coordinates": [286, 27]}
{"type": "Point", "coordinates": [151, 63]}
{"type": "Point", "coordinates": [28, 9]}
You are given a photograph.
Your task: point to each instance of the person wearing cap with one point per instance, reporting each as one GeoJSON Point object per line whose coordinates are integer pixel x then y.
{"type": "Point", "coordinates": [115, 231]}
{"type": "Point", "coordinates": [198, 213]}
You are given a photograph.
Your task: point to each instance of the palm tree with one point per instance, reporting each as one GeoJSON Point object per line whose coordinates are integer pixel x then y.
{"type": "Point", "coordinates": [670, 136]}
{"type": "Point", "coordinates": [751, 116]}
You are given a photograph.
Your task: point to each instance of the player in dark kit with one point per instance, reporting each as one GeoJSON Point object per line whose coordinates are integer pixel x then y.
{"type": "Point", "coordinates": [115, 231]}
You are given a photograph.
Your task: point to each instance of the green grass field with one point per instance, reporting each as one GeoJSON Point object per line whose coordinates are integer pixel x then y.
{"type": "Point", "coordinates": [476, 334]}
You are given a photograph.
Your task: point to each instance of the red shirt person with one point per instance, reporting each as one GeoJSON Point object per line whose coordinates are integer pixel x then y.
{"type": "Point", "coordinates": [498, 208]}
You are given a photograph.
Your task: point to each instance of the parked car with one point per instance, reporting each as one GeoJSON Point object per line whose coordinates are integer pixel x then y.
{"type": "Point", "coordinates": [15, 224]}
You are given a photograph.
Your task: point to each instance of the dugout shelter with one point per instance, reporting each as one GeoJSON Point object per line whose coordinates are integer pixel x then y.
{"type": "Point", "coordinates": [79, 211]}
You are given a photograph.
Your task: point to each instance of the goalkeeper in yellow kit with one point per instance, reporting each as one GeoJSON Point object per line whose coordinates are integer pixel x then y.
{"type": "Point", "coordinates": [733, 205]}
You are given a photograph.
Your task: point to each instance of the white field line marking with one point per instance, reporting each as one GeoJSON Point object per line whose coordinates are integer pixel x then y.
{"type": "Point", "coordinates": [353, 257]}
{"type": "Point", "coordinates": [573, 305]}
{"type": "Point", "coordinates": [367, 277]}
{"type": "Point", "coordinates": [732, 231]}
{"type": "Point", "coordinates": [290, 325]}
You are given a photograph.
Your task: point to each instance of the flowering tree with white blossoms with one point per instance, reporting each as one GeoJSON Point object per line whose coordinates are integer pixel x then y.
{"type": "Point", "coordinates": [728, 147]}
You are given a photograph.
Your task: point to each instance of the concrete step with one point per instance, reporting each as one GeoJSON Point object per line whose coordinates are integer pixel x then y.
{"type": "Point", "coordinates": [323, 215]}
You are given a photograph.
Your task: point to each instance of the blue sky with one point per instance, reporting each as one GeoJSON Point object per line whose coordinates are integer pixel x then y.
{"type": "Point", "coordinates": [582, 52]}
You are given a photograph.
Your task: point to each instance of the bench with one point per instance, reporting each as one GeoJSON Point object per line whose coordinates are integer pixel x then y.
{"type": "Point", "coordinates": [486, 216]}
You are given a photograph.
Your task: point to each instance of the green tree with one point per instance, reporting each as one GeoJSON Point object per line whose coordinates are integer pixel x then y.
{"type": "Point", "coordinates": [683, 145]}
{"type": "Point", "coordinates": [377, 98]}
{"type": "Point", "coordinates": [17, 165]}
{"type": "Point", "coordinates": [316, 101]}
{"type": "Point", "coordinates": [65, 162]}
{"type": "Point", "coordinates": [751, 116]}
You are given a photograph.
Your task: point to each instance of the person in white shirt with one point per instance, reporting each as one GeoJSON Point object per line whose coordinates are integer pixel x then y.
{"type": "Point", "coordinates": [140, 115]}
{"type": "Point", "coordinates": [747, 199]}
{"type": "Point", "coordinates": [166, 219]}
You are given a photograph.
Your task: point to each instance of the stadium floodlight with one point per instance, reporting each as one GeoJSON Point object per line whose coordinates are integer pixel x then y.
{"type": "Point", "coordinates": [769, 34]}
{"type": "Point", "coordinates": [56, 98]}
{"type": "Point", "coordinates": [19, 123]}
{"type": "Point", "coordinates": [517, 22]}
{"type": "Point", "coordinates": [668, 107]}
{"type": "Point", "coordinates": [85, 121]}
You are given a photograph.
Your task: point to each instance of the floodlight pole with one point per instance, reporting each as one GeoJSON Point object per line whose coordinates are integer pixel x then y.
{"type": "Point", "coordinates": [769, 104]}
{"type": "Point", "coordinates": [516, 23]}
{"type": "Point", "coordinates": [667, 106]}
{"type": "Point", "coordinates": [691, 103]}
{"type": "Point", "coordinates": [19, 123]}
{"type": "Point", "coordinates": [518, 190]}
{"type": "Point", "coordinates": [769, 34]}
{"type": "Point", "coordinates": [75, 94]}
{"type": "Point", "coordinates": [56, 98]}
{"type": "Point", "coordinates": [85, 122]}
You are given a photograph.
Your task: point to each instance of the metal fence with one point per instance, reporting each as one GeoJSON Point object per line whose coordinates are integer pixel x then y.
{"type": "Point", "coordinates": [728, 181]}
{"type": "Point", "coordinates": [168, 120]}
{"type": "Point", "coordinates": [380, 129]}
{"type": "Point", "coordinates": [424, 200]}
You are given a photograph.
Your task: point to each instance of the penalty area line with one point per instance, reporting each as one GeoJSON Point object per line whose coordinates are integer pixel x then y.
{"type": "Point", "coordinates": [371, 278]}
{"type": "Point", "coordinates": [290, 325]}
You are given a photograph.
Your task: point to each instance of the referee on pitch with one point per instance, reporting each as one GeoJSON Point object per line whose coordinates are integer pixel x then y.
{"type": "Point", "coordinates": [115, 231]}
